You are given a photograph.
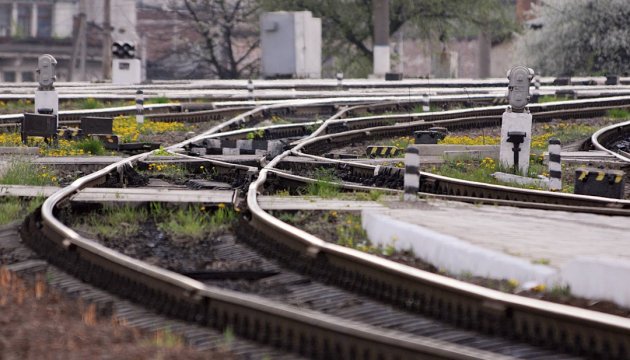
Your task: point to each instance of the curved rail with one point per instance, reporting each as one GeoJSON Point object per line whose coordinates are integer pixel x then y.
{"type": "Point", "coordinates": [408, 287]}
{"type": "Point", "coordinates": [605, 136]}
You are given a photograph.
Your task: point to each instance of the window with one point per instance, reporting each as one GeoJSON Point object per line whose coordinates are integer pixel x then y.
{"type": "Point", "coordinates": [24, 20]}
{"type": "Point", "coordinates": [28, 76]}
{"type": "Point", "coordinates": [9, 76]}
{"type": "Point", "coordinates": [5, 20]}
{"type": "Point", "coordinates": [44, 20]}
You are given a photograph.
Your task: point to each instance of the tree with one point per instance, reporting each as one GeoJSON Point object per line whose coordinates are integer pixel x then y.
{"type": "Point", "coordinates": [348, 26]}
{"type": "Point", "coordinates": [228, 31]}
{"type": "Point", "coordinates": [580, 37]}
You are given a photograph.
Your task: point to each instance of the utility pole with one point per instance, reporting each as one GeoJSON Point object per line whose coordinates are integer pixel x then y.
{"type": "Point", "coordinates": [79, 48]}
{"type": "Point", "coordinates": [380, 16]}
{"type": "Point", "coordinates": [107, 40]}
{"type": "Point", "coordinates": [485, 50]}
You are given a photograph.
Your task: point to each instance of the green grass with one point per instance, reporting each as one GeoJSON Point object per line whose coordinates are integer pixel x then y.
{"type": "Point", "coordinates": [89, 103]}
{"type": "Point", "coordinates": [326, 184]}
{"type": "Point", "coordinates": [481, 171]}
{"type": "Point", "coordinates": [548, 98]}
{"type": "Point", "coordinates": [19, 106]}
{"type": "Point", "coordinates": [26, 173]}
{"type": "Point", "coordinates": [91, 146]}
{"type": "Point", "coordinates": [10, 211]}
{"type": "Point", "coordinates": [619, 113]}
{"type": "Point", "coordinates": [372, 195]}
{"type": "Point", "coordinates": [117, 221]}
{"type": "Point", "coordinates": [191, 222]}
{"type": "Point", "coordinates": [158, 100]}
{"type": "Point", "coordinates": [350, 233]}
{"type": "Point", "coordinates": [541, 261]}
{"type": "Point", "coordinates": [560, 291]}
{"type": "Point", "coordinates": [12, 208]}
{"type": "Point", "coordinates": [161, 152]}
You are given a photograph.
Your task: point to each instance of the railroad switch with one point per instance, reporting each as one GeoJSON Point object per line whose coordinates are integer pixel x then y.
{"type": "Point", "coordinates": [516, 138]}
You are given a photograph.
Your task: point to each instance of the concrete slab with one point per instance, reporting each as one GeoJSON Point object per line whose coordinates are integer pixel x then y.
{"type": "Point", "coordinates": [315, 203]}
{"type": "Point", "coordinates": [439, 150]}
{"type": "Point", "coordinates": [19, 150]}
{"type": "Point", "coordinates": [125, 195]}
{"type": "Point", "coordinates": [550, 247]}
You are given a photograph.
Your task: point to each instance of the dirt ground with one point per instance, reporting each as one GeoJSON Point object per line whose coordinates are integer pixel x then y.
{"type": "Point", "coordinates": [37, 323]}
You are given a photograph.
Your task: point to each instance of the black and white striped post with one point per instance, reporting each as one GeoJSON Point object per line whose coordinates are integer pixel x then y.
{"type": "Point", "coordinates": [339, 77]}
{"type": "Point", "coordinates": [555, 168]}
{"type": "Point", "coordinates": [426, 105]}
{"type": "Point", "coordinates": [139, 107]}
{"type": "Point", "coordinates": [250, 89]}
{"type": "Point", "coordinates": [412, 173]}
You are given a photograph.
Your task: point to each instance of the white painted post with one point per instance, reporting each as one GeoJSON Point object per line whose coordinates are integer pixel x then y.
{"type": "Point", "coordinates": [555, 167]}
{"type": "Point", "coordinates": [515, 122]}
{"type": "Point", "coordinates": [140, 107]}
{"type": "Point", "coordinates": [412, 173]}
{"type": "Point", "coordinates": [339, 80]}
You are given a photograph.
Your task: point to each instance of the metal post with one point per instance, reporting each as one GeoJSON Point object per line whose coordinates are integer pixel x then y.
{"type": "Point", "coordinates": [139, 107]}
{"type": "Point", "coordinates": [380, 15]}
{"type": "Point", "coordinates": [107, 41]}
{"type": "Point", "coordinates": [412, 173]}
{"type": "Point", "coordinates": [555, 167]}
{"type": "Point", "coordinates": [485, 50]}
{"type": "Point", "coordinates": [250, 89]}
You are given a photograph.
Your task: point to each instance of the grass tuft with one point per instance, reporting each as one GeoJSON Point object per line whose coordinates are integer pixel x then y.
{"type": "Point", "coordinates": [619, 113]}
{"type": "Point", "coordinates": [191, 222]}
{"type": "Point", "coordinates": [90, 103]}
{"type": "Point", "coordinates": [114, 221]}
{"type": "Point", "coordinates": [326, 184]}
{"type": "Point", "coordinates": [12, 209]}
{"type": "Point", "coordinates": [25, 173]}
{"type": "Point", "coordinates": [91, 146]}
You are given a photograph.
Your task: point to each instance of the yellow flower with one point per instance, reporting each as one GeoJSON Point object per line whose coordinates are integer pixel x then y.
{"type": "Point", "coordinates": [221, 205]}
{"type": "Point", "coordinates": [539, 288]}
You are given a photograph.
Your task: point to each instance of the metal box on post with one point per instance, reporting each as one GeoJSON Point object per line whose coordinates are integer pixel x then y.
{"type": "Point", "coordinates": [92, 125]}
{"type": "Point", "coordinates": [597, 182]}
{"type": "Point", "coordinates": [44, 125]}
{"type": "Point", "coordinates": [291, 45]}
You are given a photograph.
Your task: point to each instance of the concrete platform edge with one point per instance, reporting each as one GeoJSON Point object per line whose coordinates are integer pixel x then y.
{"type": "Point", "coordinates": [589, 277]}
{"type": "Point", "coordinates": [451, 254]}
{"type": "Point", "coordinates": [598, 278]}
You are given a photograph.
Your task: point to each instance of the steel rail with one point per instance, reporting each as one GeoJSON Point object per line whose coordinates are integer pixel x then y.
{"type": "Point", "coordinates": [602, 137]}
{"type": "Point", "coordinates": [394, 282]}
{"type": "Point", "coordinates": [221, 307]}
{"type": "Point", "coordinates": [404, 285]}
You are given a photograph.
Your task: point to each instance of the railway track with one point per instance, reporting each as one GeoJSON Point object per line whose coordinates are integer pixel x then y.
{"type": "Point", "coordinates": [577, 331]}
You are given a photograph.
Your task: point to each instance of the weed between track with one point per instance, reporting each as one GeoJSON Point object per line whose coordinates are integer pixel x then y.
{"type": "Point", "coordinates": [13, 208]}
{"type": "Point", "coordinates": [19, 172]}
{"type": "Point", "coordinates": [180, 224]}
{"type": "Point", "coordinates": [180, 239]}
